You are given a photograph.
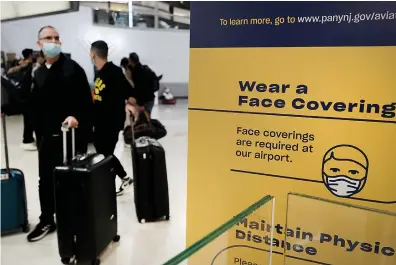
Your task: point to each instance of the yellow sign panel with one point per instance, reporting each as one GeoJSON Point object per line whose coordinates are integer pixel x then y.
{"type": "Point", "coordinates": [303, 103]}
{"type": "Point", "coordinates": [239, 149]}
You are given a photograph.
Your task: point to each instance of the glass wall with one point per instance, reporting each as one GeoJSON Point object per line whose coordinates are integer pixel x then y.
{"type": "Point", "coordinates": [244, 239]}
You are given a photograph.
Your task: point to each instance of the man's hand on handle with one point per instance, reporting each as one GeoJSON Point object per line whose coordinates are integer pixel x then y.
{"type": "Point", "coordinates": [131, 111]}
{"type": "Point", "coordinates": [71, 122]}
{"type": "Point", "coordinates": [131, 101]}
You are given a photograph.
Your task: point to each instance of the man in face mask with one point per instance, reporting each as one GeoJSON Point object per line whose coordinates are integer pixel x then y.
{"type": "Point", "coordinates": [60, 94]}
{"type": "Point", "coordinates": [344, 170]}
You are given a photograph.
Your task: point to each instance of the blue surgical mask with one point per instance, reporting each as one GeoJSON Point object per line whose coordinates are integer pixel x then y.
{"type": "Point", "coordinates": [51, 49]}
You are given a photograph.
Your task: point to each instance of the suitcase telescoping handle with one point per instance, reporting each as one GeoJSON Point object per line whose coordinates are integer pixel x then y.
{"type": "Point", "coordinates": [132, 121]}
{"type": "Point", "coordinates": [65, 129]}
{"type": "Point", "coordinates": [7, 160]}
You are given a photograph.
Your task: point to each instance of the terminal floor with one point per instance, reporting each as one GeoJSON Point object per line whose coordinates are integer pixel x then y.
{"type": "Point", "coordinates": [140, 244]}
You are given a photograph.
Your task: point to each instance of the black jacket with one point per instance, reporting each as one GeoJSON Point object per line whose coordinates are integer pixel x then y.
{"type": "Point", "coordinates": [58, 92]}
{"type": "Point", "coordinates": [110, 92]}
{"type": "Point", "coordinates": [143, 83]}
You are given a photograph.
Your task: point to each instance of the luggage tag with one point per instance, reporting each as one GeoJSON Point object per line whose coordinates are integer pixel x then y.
{"type": "Point", "coordinates": [154, 142]}
{"type": "Point", "coordinates": [142, 142]}
{"type": "Point", "coordinates": [4, 176]}
{"type": "Point", "coordinates": [145, 141]}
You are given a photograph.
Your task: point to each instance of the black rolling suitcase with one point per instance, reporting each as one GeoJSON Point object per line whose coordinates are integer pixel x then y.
{"type": "Point", "coordinates": [86, 205]}
{"type": "Point", "coordinates": [150, 179]}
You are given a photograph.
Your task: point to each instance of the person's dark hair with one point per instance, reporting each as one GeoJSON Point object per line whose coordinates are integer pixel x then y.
{"type": "Point", "coordinates": [134, 57]}
{"type": "Point", "coordinates": [45, 27]}
{"type": "Point", "coordinates": [27, 53]}
{"type": "Point", "coordinates": [124, 62]}
{"type": "Point", "coordinates": [100, 48]}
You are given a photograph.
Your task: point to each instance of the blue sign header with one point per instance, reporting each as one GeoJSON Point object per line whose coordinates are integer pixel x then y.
{"type": "Point", "coordinates": [292, 24]}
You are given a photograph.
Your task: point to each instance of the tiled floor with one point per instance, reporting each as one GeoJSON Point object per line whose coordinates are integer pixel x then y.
{"type": "Point", "coordinates": [141, 244]}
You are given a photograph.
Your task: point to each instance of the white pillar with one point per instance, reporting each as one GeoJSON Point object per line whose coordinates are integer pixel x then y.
{"type": "Point", "coordinates": [130, 11]}
{"type": "Point", "coordinates": [156, 20]}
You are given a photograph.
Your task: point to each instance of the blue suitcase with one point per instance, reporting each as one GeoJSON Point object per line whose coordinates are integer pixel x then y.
{"type": "Point", "coordinates": [14, 217]}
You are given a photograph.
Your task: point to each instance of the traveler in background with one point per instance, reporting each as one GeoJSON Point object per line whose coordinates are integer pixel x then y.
{"type": "Point", "coordinates": [143, 81]}
{"type": "Point", "coordinates": [24, 72]}
{"type": "Point", "coordinates": [27, 60]}
{"type": "Point", "coordinates": [112, 90]}
{"type": "Point", "coordinates": [40, 60]}
{"type": "Point", "coordinates": [60, 94]}
{"type": "Point", "coordinates": [28, 142]}
{"type": "Point", "coordinates": [127, 68]}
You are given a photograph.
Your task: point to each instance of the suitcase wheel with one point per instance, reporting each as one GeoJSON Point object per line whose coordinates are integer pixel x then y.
{"type": "Point", "coordinates": [65, 260]}
{"type": "Point", "coordinates": [142, 221]}
{"type": "Point", "coordinates": [167, 217]}
{"type": "Point", "coordinates": [116, 238]}
{"type": "Point", "coordinates": [96, 262]}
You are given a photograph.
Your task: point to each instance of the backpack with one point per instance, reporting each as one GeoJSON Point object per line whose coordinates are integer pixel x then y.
{"type": "Point", "coordinates": [153, 77]}
{"type": "Point", "coordinates": [12, 99]}
{"type": "Point", "coordinates": [21, 76]}
{"type": "Point", "coordinates": [15, 89]}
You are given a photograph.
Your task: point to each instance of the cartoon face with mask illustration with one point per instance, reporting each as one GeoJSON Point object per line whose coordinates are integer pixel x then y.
{"type": "Point", "coordinates": [345, 170]}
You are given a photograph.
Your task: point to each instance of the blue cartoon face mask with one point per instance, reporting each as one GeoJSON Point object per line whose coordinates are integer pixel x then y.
{"type": "Point", "coordinates": [51, 49]}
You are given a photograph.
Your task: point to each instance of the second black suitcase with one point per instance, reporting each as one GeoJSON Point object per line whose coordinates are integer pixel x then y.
{"type": "Point", "coordinates": [150, 179]}
{"type": "Point", "coordinates": [86, 206]}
